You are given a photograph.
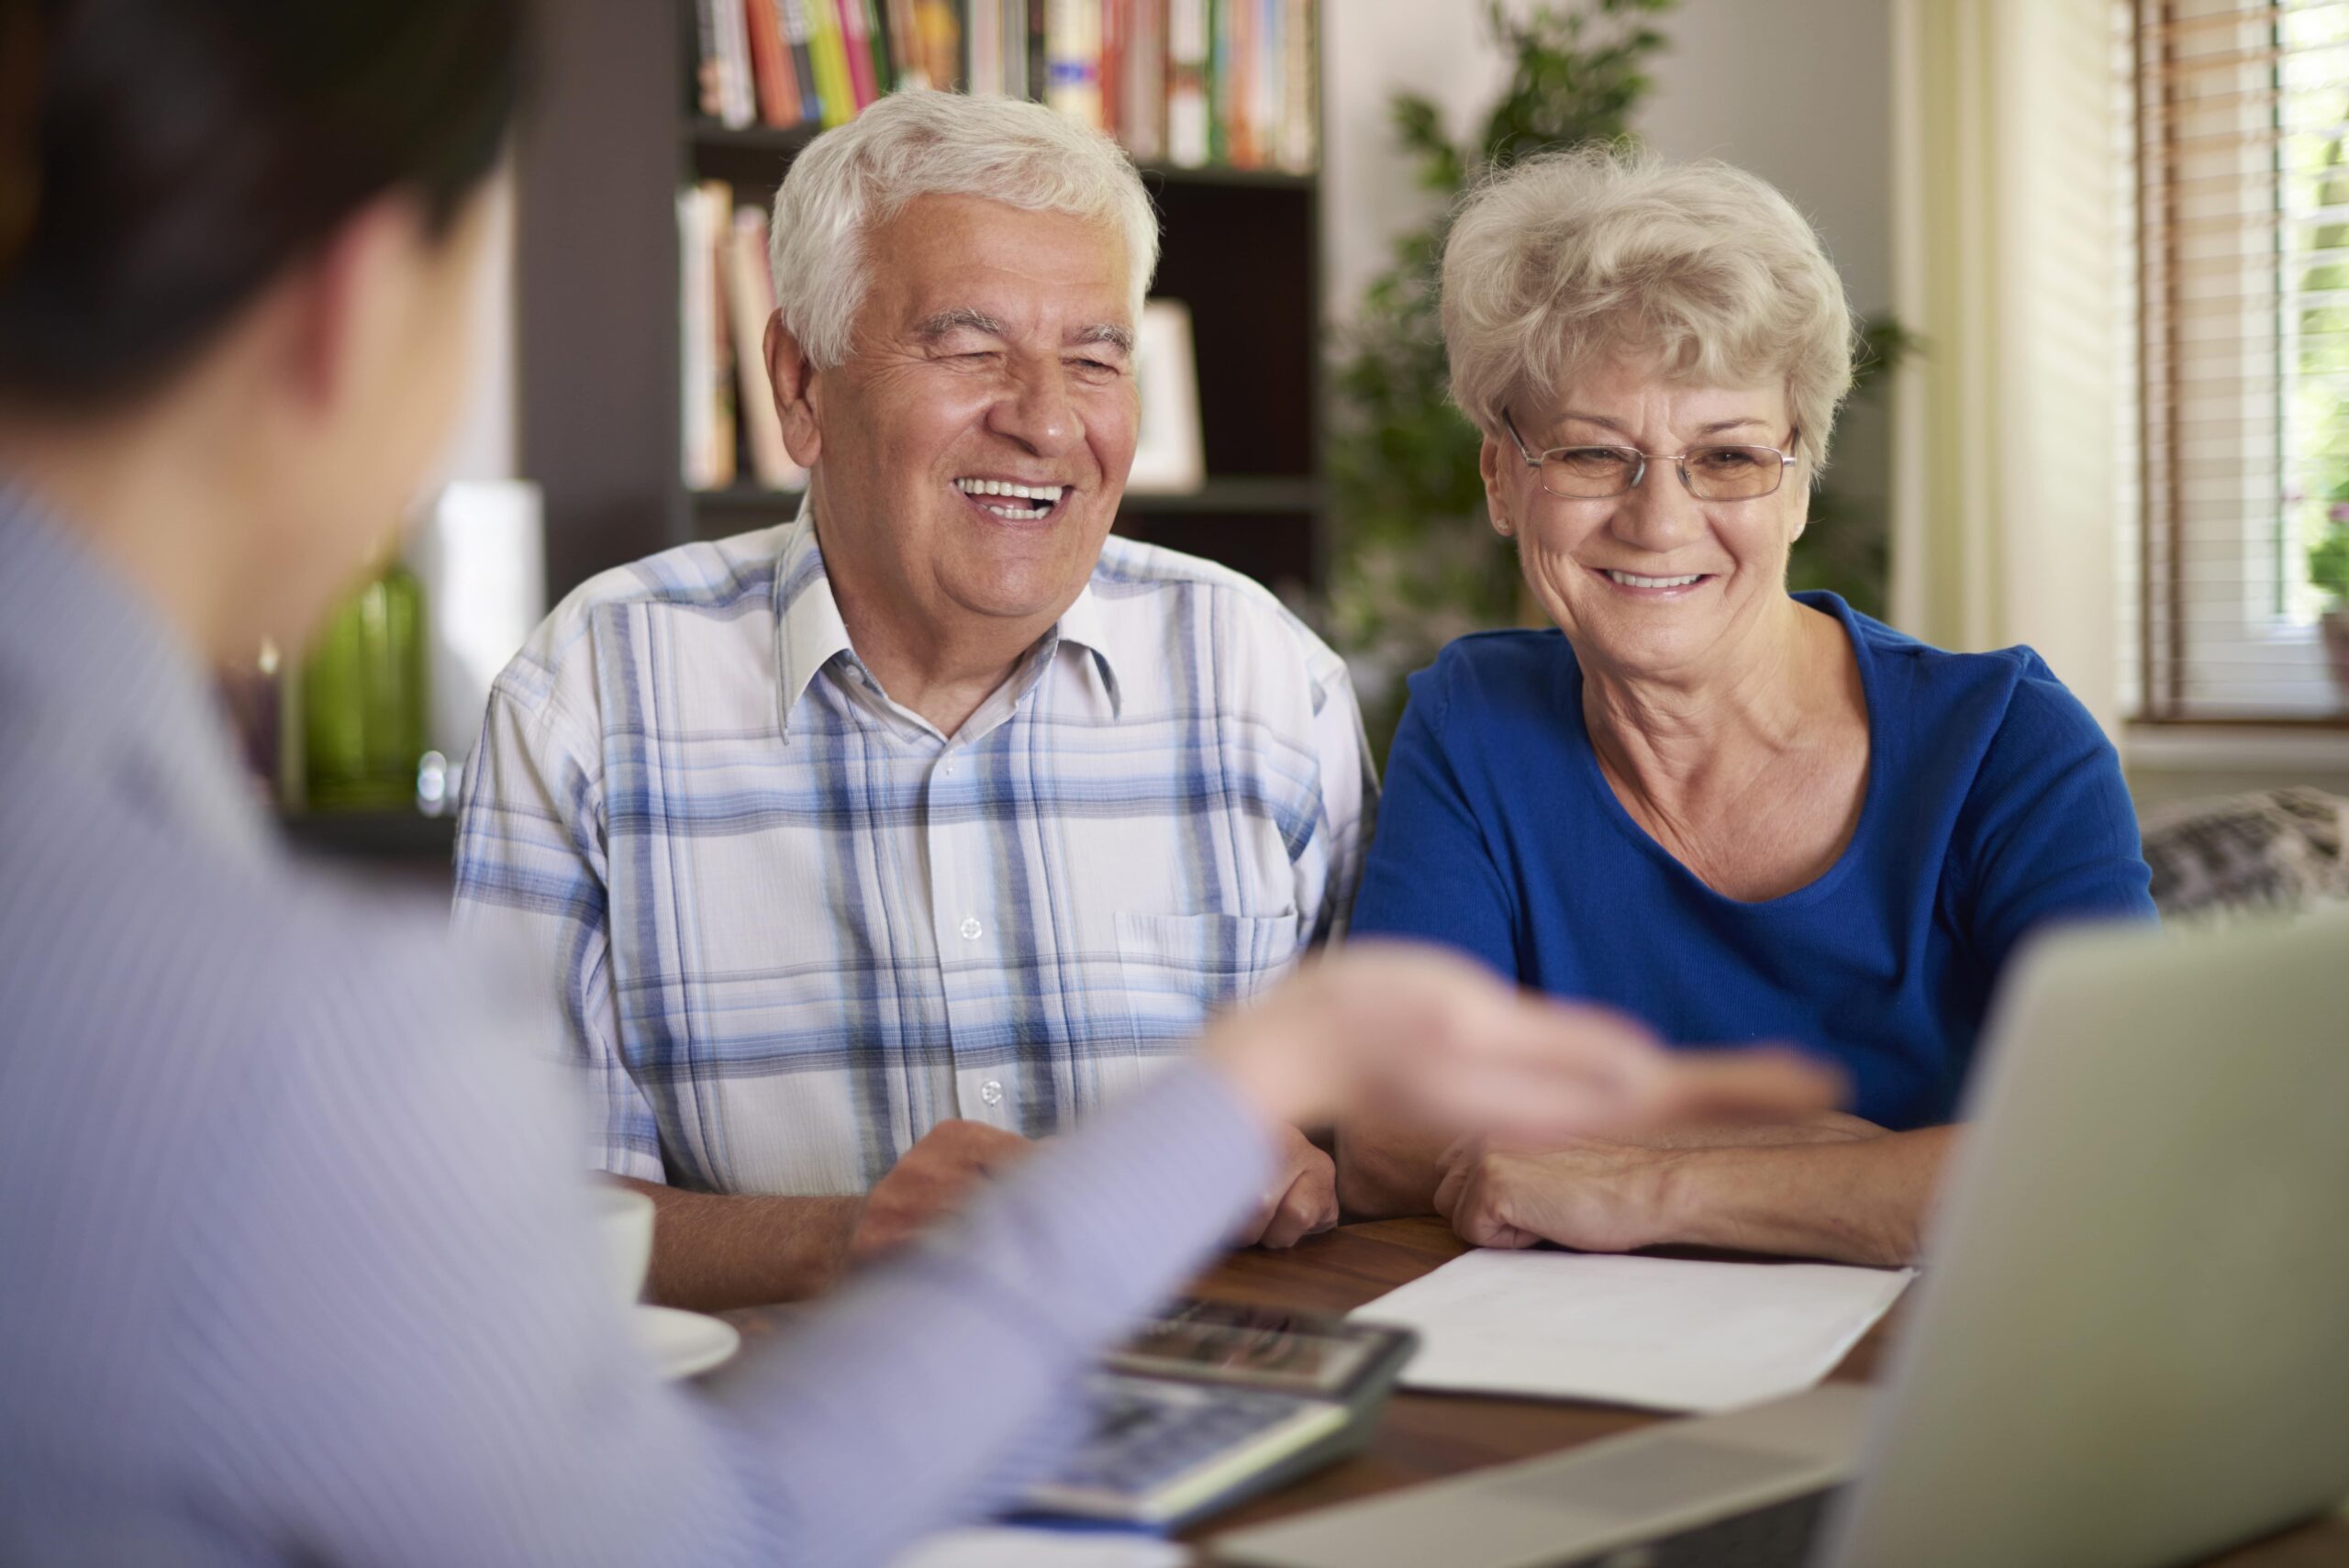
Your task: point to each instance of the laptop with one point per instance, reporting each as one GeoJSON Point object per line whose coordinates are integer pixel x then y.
{"type": "Point", "coordinates": [2129, 1344]}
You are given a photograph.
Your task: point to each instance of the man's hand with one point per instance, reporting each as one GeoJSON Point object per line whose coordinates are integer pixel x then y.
{"type": "Point", "coordinates": [934, 1179]}
{"type": "Point", "coordinates": [1591, 1194]}
{"type": "Point", "coordinates": [1411, 1033]}
{"type": "Point", "coordinates": [1300, 1201]}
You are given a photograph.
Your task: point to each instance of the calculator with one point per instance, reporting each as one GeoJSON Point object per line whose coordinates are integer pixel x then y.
{"type": "Point", "coordinates": [1212, 1402]}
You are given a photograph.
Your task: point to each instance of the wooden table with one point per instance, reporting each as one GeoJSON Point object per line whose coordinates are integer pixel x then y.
{"type": "Point", "coordinates": [1424, 1436]}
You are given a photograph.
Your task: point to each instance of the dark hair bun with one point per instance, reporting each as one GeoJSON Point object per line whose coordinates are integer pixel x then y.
{"type": "Point", "coordinates": [176, 155]}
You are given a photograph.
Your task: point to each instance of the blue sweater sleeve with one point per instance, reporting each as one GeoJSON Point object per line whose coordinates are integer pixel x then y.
{"type": "Point", "coordinates": [1432, 874]}
{"type": "Point", "coordinates": [2047, 833]}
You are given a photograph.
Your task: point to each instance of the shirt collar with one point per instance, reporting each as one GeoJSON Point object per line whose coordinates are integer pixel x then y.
{"type": "Point", "coordinates": [1086, 624]}
{"type": "Point", "coordinates": [113, 687]}
{"type": "Point", "coordinates": [809, 633]}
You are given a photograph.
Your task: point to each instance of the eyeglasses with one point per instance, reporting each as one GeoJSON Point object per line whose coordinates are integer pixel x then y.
{"type": "Point", "coordinates": [1711, 474]}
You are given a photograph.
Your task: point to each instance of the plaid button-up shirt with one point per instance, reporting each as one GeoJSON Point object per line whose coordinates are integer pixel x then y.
{"type": "Point", "coordinates": [793, 927]}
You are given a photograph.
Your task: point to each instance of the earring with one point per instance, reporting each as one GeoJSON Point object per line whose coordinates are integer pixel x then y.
{"type": "Point", "coordinates": [1503, 527]}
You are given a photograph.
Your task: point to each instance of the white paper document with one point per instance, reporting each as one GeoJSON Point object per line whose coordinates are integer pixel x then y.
{"type": "Point", "coordinates": [991, 1546]}
{"type": "Point", "coordinates": [1658, 1332]}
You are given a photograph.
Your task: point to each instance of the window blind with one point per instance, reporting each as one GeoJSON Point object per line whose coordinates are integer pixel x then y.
{"type": "Point", "coordinates": [2241, 270]}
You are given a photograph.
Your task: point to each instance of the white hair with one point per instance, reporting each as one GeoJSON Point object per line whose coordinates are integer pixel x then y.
{"type": "Point", "coordinates": [1562, 262]}
{"type": "Point", "coordinates": [925, 143]}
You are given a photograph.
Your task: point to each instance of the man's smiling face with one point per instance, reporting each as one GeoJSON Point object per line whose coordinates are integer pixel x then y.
{"type": "Point", "coordinates": [975, 445]}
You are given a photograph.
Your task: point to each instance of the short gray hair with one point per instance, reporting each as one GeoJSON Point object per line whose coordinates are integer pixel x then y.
{"type": "Point", "coordinates": [927, 143]}
{"type": "Point", "coordinates": [1559, 262]}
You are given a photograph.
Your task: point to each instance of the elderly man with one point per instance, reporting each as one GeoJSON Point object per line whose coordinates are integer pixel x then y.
{"type": "Point", "coordinates": [868, 848]}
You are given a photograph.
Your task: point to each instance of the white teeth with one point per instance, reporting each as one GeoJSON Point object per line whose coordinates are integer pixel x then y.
{"type": "Point", "coordinates": [1633, 580]}
{"type": "Point", "coordinates": [1048, 495]}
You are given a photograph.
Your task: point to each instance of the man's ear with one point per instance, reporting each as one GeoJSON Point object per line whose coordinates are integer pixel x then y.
{"type": "Point", "coordinates": [794, 379]}
{"type": "Point", "coordinates": [324, 305]}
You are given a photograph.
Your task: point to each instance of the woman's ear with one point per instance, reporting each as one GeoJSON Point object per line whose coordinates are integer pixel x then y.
{"type": "Point", "coordinates": [794, 379]}
{"type": "Point", "coordinates": [1492, 461]}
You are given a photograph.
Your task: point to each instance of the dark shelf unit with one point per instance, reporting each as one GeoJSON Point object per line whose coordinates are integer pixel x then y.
{"type": "Point", "coordinates": [399, 836]}
{"type": "Point", "coordinates": [613, 136]}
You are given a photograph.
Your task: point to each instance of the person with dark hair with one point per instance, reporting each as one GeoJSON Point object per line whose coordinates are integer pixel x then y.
{"type": "Point", "coordinates": [297, 1262]}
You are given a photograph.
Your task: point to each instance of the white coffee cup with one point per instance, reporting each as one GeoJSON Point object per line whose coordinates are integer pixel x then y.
{"type": "Point", "coordinates": [625, 1218]}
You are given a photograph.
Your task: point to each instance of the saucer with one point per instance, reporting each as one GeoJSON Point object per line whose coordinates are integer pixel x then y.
{"type": "Point", "coordinates": [684, 1344]}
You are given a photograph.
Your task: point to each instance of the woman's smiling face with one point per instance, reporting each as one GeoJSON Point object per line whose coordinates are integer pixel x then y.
{"type": "Point", "coordinates": [1655, 581]}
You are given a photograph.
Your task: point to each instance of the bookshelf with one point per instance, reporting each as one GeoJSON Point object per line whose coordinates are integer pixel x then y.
{"type": "Point", "coordinates": [615, 130]}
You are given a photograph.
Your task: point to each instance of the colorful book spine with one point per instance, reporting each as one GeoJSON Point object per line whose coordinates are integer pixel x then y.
{"type": "Point", "coordinates": [857, 48]}
{"type": "Point", "coordinates": [939, 29]}
{"type": "Point", "coordinates": [1141, 107]}
{"type": "Point", "coordinates": [750, 301]}
{"type": "Point", "coordinates": [1188, 139]}
{"type": "Point", "coordinates": [738, 102]}
{"type": "Point", "coordinates": [828, 52]}
{"type": "Point", "coordinates": [1073, 59]}
{"type": "Point", "coordinates": [1300, 136]}
{"type": "Point", "coordinates": [1220, 78]}
{"type": "Point", "coordinates": [705, 380]}
{"type": "Point", "coordinates": [771, 65]}
{"type": "Point", "coordinates": [710, 93]}
{"type": "Point", "coordinates": [1015, 47]}
{"type": "Point", "coordinates": [905, 53]}
{"type": "Point", "coordinates": [793, 14]}
{"type": "Point", "coordinates": [1039, 62]}
{"type": "Point", "coordinates": [983, 67]}
{"type": "Point", "coordinates": [1115, 17]}
{"type": "Point", "coordinates": [1267, 80]}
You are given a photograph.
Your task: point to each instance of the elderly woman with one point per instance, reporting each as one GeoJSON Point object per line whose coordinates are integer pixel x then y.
{"type": "Point", "coordinates": [1737, 813]}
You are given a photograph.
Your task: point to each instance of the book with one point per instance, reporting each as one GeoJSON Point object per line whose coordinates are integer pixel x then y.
{"type": "Point", "coordinates": [1142, 107]}
{"type": "Point", "coordinates": [709, 91]}
{"type": "Point", "coordinates": [1072, 59]}
{"type": "Point", "coordinates": [857, 48]}
{"type": "Point", "coordinates": [1117, 17]}
{"type": "Point", "coordinates": [828, 52]}
{"type": "Point", "coordinates": [1219, 80]}
{"type": "Point", "coordinates": [1039, 62]}
{"type": "Point", "coordinates": [705, 393]}
{"type": "Point", "coordinates": [778, 88]}
{"type": "Point", "coordinates": [983, 65]}
{"type": "Point", "coordinates": [1267, 78]}
{"type": "Point", "coordinates": [749, 302]}
{"type": "Point", "coordinates": [1300, 131]}
{"type": "Point", "coordinates": [1188, 142]}
{"type": "Point", "coordinates": [738, 104]}
{"type": "Point", "coordinates": [939, 31]}
{"type": "Point", "coordinates": [876, 39]}
{"type": "Point", "coordinates": [912, 61]}
{"type": "Point", "coordinates": [795, 37]}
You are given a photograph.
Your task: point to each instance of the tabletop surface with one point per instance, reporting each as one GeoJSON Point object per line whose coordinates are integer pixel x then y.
{"type": "Point", "coordinates": [1425, 1437]}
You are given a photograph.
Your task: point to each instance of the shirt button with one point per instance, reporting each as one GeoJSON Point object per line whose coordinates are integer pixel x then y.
{"type": "Point", "coordinates": [971, 928]}
{"type": "Point", "coordinates": [947, 768]}
{"type": "Point", "coordinates": [991, 1092]}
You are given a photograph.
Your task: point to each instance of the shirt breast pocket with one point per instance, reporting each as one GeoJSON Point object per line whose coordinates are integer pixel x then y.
{"type": "Point", "coordinates": [1179, 969]}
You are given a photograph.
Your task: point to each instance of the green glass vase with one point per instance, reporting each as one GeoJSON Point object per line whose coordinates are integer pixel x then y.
{"type": "Point", "coordinates": [364, 699]}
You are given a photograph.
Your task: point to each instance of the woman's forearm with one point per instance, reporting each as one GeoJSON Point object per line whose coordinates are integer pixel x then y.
{"type": "Point", "coordinates": [1857, 1200]}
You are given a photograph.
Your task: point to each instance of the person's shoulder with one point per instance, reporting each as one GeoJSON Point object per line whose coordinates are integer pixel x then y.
{"type": "Point", "coordinates": [707, 577]}
{"type": "Point", "coordinates": [1248, 618]}
{"type": "Point", "coordinates": [2016, 692]}
{"type": "Point", "coordinates": [1499, 670]}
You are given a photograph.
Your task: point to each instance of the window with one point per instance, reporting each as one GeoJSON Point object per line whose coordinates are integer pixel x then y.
{"type": "Point", "coordinates": [2241, 270]}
